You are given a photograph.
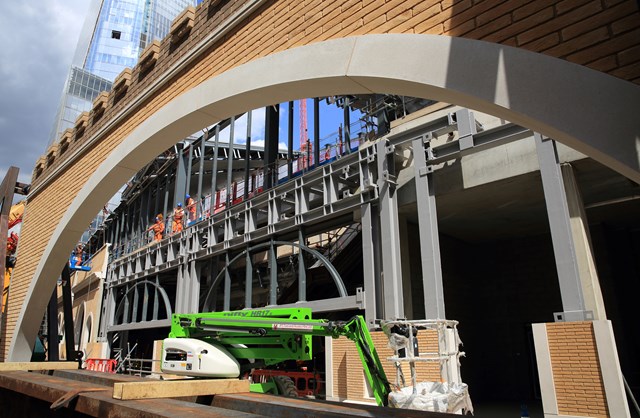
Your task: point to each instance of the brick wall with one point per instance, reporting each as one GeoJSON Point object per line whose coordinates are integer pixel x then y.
{"type": "Point", "coordinates": [601, 34]}
{"type": "Point", "coordinates": [348, 374]}
{"type": "Point", "coordinates": [576, 369]}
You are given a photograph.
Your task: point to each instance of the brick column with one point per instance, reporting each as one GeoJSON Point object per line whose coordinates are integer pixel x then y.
{"type": "Point", "coordinates": [579, 370]}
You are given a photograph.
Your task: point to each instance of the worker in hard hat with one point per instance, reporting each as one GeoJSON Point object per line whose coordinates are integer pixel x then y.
{"type": "Point", "coordinates": [190, 205]}
{"type": "Point", "coordinates": [157, 228]}
{"type": "Point", "coordinates": [76, 259]}
{"type": "Point", "coordinates": [178, 219]}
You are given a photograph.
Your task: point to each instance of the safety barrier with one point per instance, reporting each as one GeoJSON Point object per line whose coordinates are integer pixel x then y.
{"type": "Point", "coordinates": [101, 365]}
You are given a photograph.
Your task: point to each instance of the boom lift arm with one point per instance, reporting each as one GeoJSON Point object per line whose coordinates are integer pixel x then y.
{"type": "Point", "coordinates": [210, 344]}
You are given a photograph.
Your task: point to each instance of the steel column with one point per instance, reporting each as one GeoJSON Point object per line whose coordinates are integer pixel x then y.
{"type": "Point", "coordinates": [428, 226]}
{"type": "Point", "coordinates": [52, 327]}
{"type": "Point", "coordinates": [145, 303]}
{"type": "Point", "coordinates": [564, 249]}
{"type": "Point", "coordinates": [316, 132]}
{"type": "Point", "coordinates": [156, 296]}
{"type": "Point", "coordinates": [247, 157]}
{"type": "Point", "coordinates": [7, 189]}
{"type": "Point", "coordinates": [302, 271]}
{"type": "Point", "coordinates": [372, 284]}
{"type": "Point", "coordinates": [389, 232]}
{"type": "Point", "coordinates": [203, 151]}
{"type": "Point", "coordinates": [165, 205]}
{"type": "Point", "coordinates": [248, 283]}
{"type": "Point", "coordinates": [70, 346]}
{"type": "Point", "coordinates": [290, 142]}
{"type": "Point", "coordinates": [347, 125]}
{"type": "Point", "coordinates": [214, 171]}
{"type": "Point", "coordinates": [229, 199]}
{"type": "Point", "coordinates": [187, 188]}
{"type": "Point", "coordinates": [156, 206]}
{"type": "Point", "coordinates": [272, 124]}
{"type": "Point", "coordinates": [273, 275]}
{"type": "Point", "coordinates": [227, 284]}
{"type": "Point", "coordinates": [181, 179]}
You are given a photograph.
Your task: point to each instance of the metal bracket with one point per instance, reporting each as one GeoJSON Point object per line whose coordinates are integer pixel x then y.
{"type": "Point", "coordinates": [423, 171]}
{"type": "Point", "coordinates": [389, 178]}
{"type": "Point", "coordinates": [360, 299]}
{"type": "Point", "coordinates": [573, 316]}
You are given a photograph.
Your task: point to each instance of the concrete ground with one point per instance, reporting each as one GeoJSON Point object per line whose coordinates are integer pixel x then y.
{"type": "Point", "coordinates": [505, 410]}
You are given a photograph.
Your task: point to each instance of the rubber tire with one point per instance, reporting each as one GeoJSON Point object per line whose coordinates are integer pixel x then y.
{"type": "Point", "coordinates": [285, 386]}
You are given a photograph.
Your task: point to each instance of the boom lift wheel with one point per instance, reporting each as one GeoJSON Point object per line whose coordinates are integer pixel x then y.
{"type": "Point", "coordinates": [285, 386]}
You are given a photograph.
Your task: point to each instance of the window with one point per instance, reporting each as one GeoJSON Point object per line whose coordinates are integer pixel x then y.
{"type": "Point", "coordinates": [115, 34]}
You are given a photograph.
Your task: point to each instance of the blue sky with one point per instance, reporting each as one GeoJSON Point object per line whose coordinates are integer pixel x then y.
{"type": "Point", "coordinates": [331, 118]}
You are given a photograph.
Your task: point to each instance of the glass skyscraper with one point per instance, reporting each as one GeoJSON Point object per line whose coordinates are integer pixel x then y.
{"type": "Point", "coordinates": [114, 34]}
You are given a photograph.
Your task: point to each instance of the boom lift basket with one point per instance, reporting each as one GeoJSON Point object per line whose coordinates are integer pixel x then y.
{"type": "Point", "coordinates": [437, 355]}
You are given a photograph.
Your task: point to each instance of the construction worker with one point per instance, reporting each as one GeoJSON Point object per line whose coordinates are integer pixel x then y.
{"type": "Point", "coordinates": [76, 260]}
{"type": "Point", "coordinates": [327, 153]}
{"type": "Point", "coordinates": [157, 228]}
{"type": "Point", "coordinates": [178, 219]}
{"type": "Point", "coordinates": [191, 208]}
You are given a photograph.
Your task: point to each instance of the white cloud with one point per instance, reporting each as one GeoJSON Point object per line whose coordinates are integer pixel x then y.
{"type": "Point", "coordinates": [38, 41]}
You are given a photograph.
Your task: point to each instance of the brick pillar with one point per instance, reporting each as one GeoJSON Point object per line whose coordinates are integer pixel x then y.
{"type": "Point", "coordinates": [579, 370]}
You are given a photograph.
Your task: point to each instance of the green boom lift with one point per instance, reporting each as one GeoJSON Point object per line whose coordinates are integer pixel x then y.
{"type": "Point", "coordinates": [228, 344]}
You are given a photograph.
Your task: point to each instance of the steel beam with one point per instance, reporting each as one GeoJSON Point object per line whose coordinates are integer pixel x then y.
{"type": "Point", "coordinates": [158, 323]}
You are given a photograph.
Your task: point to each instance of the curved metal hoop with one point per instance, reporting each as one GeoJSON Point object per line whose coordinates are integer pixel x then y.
{"type": "Point", "coordinates": [342, 290]}
{"type": "Point", "coordinates": [162, 292]}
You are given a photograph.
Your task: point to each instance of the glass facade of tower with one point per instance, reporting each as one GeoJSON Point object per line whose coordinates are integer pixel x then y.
{"type": "Point", "coordinates": [116, 39]}
{"type": "Point", "coordinates": [122, 29]}
{"type": "Point", "coordinates": [81, 89]}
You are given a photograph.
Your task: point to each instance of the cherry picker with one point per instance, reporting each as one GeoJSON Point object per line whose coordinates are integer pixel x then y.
{"type": "Point", "coordinates": [230, 344]}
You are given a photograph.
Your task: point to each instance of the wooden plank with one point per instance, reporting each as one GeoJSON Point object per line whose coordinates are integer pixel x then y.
{"type": "Point", "coordinates": [40, 365]}
{"type": "Point", "coordinates": [178, 388]}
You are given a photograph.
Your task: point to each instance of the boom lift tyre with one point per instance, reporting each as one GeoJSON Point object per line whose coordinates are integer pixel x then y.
{"type": "Point", "coordinates": [285, 386]}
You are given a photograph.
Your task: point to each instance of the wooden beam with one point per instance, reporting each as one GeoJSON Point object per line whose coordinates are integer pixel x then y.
{"type": "Point", "coordinates": [177, 388]}
{"type": "Point", "coordinates": [40, 365]}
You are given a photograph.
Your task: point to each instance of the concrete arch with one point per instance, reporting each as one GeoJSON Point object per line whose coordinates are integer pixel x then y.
{"type": "Point", "coordinates": [585, 109]}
